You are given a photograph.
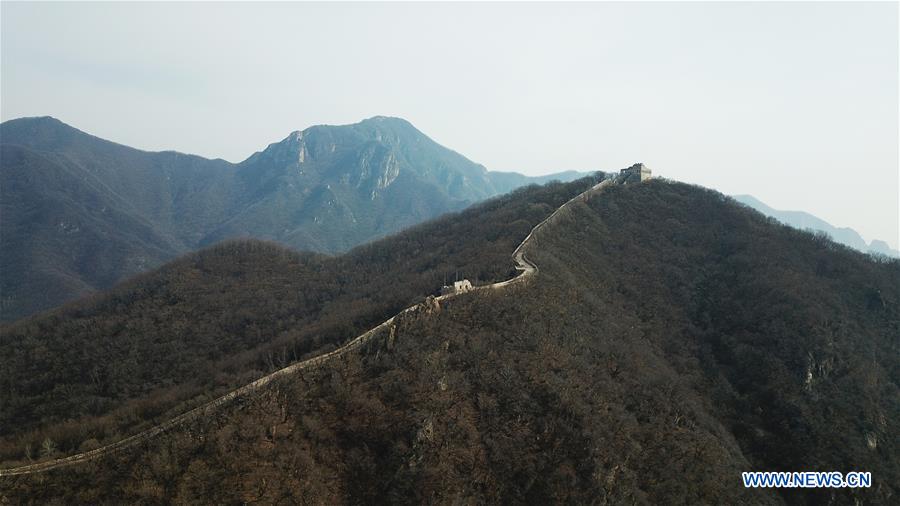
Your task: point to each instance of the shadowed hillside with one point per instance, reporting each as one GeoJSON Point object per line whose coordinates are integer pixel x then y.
{"type": "Point", "coordinates": [670, 340]}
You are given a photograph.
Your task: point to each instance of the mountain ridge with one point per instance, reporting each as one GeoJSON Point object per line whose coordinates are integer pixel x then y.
{"type": "Point", "coordinates": [523, 270]}
{"type": "Point", "coordinates": [325, 189]}
{"type": "Point", "coordinates": [803, 220]}
{"type": "Point", "coordinates": [272, 297]}
{"type": "Point", "coordinates": [671, 340]}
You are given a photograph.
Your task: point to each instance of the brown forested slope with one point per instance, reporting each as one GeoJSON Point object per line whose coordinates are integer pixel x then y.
{"type": "Point", "coordinates": [98, 369]}
{"type": "Point", "coordinates": [671, 340]}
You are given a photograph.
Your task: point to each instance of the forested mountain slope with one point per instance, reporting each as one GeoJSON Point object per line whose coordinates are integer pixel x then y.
{"type": "Point", "coordinates": [80, 213]}
{"type": "Point", "coordinates": [152, 347]}
{"type": "Point", "coordinates": [670, 340]}
{"type": "Point", "coordinates": [61, 235]}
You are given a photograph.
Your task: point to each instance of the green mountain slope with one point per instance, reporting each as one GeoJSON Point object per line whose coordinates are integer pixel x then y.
{"type": "Point", "coordinates": [325, 189]}
{"type": "Point", "coordinates": [64, 234]}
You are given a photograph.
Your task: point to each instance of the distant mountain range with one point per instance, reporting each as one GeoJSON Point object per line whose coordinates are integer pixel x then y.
{"type": "Point", "coordinates": [80, 213]}
{"type": "Point", "coordinates": [804, 221]}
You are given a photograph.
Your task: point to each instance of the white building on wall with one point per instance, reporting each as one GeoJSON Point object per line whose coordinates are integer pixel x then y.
{"type": "Point", "coordinates": [458, 287]}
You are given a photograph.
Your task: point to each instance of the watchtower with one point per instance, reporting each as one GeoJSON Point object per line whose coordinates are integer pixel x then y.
{"type": "Point", "coordinates": [635, 174]}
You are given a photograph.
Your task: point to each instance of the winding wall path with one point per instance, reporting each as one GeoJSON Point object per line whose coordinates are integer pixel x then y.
{"type": "Point", "coordinates": [525, 267]}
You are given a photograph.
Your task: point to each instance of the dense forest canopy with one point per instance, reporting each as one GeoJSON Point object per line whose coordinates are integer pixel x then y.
{"type": "Point", "coordinates": [671, 340]}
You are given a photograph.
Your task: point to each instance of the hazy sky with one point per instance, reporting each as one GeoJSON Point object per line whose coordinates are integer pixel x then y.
{"type": "Point", "coordinates": [796, 104]}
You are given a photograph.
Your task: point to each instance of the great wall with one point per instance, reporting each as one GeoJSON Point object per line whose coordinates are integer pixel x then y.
{"type": "Point", "coordinates": [526, 270]}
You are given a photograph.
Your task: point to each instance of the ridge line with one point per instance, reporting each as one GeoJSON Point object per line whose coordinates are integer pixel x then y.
{"type": "Point", "coordinates": [525, 267]}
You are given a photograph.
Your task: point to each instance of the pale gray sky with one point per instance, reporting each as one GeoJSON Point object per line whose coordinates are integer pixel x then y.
{"type": "Point", "coordinates": [795, 103]}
